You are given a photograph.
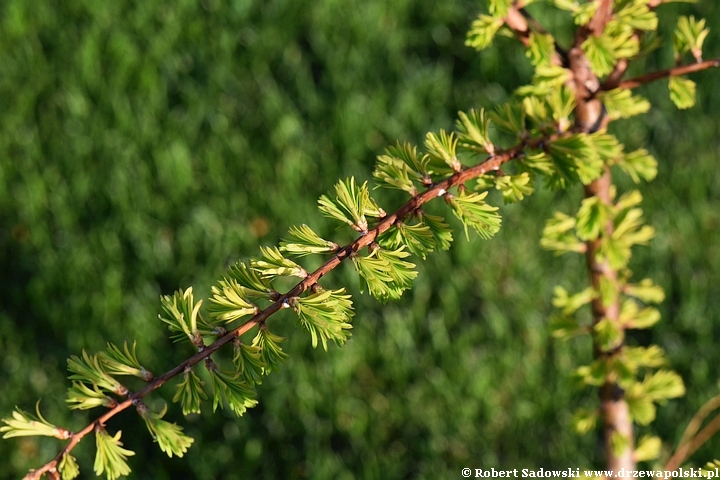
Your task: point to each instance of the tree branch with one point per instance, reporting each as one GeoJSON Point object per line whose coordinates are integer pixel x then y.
{"type": "Point", "coordinates": [615, 77]}
{"type": "Point", "coordinates": [613, 407]}
{"type": "Point", "coordinates": [690, 447]}
{"type": "Point", "coordinates": [602, 16]}
{"type": "Point", "coordinates": [517, 20]}
{"type": "Point", "coordinates": [492, 163]}
{"type": "Point", "coordinates": [691, 440]}
{"type": "Point", "coordinates": [670, 72]}
{"type": "Point", "coordinates": [589, 118]}
{"type": "Point", "coordinates": [559, 51]}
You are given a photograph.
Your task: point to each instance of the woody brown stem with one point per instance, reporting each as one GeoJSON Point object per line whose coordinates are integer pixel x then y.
{"type": "Point", "coordinates": [692, 439]}
{"type": "Point", "coordinates": [517, 21]}
{"type": "Point", "coordinates": [684, 451]}
{"type": "Point", "coordinates": [613, 408]}
{"type": "Point", "coordinates": [491, 164]}
{"type": "Point", "coordinates": [589, 118]}
{"type": "Point", "coordinates": [670, 72]}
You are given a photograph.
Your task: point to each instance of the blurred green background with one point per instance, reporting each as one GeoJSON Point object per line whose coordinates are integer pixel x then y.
{"type": "Point", "coordinates": [146, 145]}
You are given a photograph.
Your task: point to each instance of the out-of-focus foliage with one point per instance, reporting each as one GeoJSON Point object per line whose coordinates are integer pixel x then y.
{"type": "Point", "coordinates": [144, 146]}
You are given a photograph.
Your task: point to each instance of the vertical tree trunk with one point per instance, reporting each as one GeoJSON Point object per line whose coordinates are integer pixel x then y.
{"type": "Point", "coordinates": [614, 409]}
{"type": "Point", "coordinates": [617, 423]}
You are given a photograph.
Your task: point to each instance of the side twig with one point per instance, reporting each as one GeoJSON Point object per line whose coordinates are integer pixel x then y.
{"type": "Point", "coordinates": [691, 439]}
{"type": "Point", "coordinates": [559, 51]}
{"type": "Point", "coordinates": [517, 21]}
{"type": "Point", "coordinates": [493, 163]}
{"type": "Point", "coordinates": [670, 72]}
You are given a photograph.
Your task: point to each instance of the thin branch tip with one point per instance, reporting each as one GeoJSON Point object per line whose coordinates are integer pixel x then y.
{"type": "Point", "coordinates": [660, 74]}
